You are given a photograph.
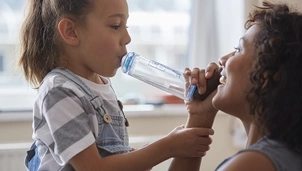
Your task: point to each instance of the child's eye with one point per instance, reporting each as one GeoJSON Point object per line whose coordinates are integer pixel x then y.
{"type": "Point", "coordinates": [115, 27]}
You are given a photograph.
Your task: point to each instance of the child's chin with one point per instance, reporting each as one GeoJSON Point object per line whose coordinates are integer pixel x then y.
{"type": "Point", "coordinates": [112, 74]}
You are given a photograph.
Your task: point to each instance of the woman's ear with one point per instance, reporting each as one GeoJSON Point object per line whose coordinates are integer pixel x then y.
{"type": "Point", "coordinates": [67, 31]}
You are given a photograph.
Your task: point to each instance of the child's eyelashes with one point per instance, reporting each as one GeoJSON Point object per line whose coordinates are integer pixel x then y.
{"type": "Point", "coordinates": [115, 27]}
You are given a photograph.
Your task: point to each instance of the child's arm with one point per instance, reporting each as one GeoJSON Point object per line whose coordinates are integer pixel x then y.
{"type": "Point", "coordinates": [190, 142]}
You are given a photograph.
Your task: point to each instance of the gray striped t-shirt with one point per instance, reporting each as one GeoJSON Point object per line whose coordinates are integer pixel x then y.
{"type": "Point", "coordinates": [65, 123]}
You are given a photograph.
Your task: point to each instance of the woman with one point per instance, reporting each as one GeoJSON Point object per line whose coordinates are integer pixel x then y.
{"type": "Point", "coordinates": [260, 85]}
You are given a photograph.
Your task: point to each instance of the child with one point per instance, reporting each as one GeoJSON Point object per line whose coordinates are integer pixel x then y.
{"type": "Point", "coordinates": [69, 48]}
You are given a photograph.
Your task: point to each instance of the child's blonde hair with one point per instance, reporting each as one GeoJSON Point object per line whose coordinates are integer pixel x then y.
{"type": "Point", "coordinates": [40, 46]}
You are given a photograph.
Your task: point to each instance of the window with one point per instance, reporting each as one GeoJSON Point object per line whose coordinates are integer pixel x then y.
{"type": "Point", "coordinates": [159, 31]}
{"type": "Point", "coordinates": [1, 63]}
{"type": "Point", "coordinates": [14, 92]}
{"type": "Point", "coordinates": [177, 33]}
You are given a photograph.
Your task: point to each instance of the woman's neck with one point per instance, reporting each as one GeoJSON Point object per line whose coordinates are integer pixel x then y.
{"type": "Point", "coordinates": [253, 134]}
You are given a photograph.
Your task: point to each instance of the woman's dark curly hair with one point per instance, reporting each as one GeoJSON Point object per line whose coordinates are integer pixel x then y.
{"type": "Point", "coordinates": [276, 94]}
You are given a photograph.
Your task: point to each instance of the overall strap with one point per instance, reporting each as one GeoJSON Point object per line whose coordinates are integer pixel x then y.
{"type": "Point", "coordinates": [95, 100]}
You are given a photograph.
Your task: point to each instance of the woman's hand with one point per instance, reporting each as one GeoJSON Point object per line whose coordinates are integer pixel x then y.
{"type": "Point", "coordinates": [201, 113]}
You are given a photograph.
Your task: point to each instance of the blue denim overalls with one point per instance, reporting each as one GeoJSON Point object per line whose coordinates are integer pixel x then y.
{"type": "Point", "coordinates": [32, 160]}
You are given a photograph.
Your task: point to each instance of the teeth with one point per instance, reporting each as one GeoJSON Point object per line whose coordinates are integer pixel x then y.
{"type": "Point", "coordinates": [222, 79]}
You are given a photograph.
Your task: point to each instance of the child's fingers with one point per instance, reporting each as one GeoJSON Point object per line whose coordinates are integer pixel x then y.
{"type": "Point", "coordinates": [202, 131]}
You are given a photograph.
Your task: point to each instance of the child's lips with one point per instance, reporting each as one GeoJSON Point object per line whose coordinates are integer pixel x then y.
{"type": "Point", "coordinates": [121, 57]}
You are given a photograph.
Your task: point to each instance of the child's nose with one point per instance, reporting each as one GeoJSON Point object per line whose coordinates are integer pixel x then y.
{"type": "Point", "coordinates": [127, 38]}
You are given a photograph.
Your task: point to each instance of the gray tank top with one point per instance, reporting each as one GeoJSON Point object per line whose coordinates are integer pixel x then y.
{"type": "Point", "coordinates": [282, 158]}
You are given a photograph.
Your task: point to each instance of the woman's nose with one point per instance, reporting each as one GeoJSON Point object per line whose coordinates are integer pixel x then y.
{"type": "Point", "coordinates": [222, 60]}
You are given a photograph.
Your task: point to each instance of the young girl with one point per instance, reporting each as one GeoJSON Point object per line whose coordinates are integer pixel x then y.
{"type": "Point", "coordinates": [69, 48]}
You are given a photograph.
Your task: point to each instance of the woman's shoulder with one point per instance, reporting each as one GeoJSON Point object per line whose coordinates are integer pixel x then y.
{"type": "Point", "coordinates": [248, 161]}
{"type": "Point", "coordinates": [266, 154]}
{"type": "Point", "coordinates": [278, 153]}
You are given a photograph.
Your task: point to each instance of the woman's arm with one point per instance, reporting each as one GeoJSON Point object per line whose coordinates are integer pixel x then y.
{"type": "Point", "coordinates": [201, 114]}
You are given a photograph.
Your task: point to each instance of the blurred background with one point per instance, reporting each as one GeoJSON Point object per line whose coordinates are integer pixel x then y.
{"type": "Point", "coordinates": [177, 33]}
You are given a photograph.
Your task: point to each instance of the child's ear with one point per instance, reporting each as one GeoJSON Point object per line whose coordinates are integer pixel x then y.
{"type": "Point", "coordinates": [67, 31]}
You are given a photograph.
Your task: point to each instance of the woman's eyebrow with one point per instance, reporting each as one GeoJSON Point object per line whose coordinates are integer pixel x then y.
{"type": "Point", "coordinates": [241, 40]}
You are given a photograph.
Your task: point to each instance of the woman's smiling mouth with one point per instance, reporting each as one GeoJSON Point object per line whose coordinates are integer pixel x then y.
{"type": "Point", "coordinates": [222, 79]}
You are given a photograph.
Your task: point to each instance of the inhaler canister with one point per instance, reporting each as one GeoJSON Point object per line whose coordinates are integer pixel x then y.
{"type": "Point", "coordinates": [164, 77]}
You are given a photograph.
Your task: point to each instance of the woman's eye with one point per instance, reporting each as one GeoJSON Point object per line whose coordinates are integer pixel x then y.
{"type": "Point", "coordinates": [237, 49]}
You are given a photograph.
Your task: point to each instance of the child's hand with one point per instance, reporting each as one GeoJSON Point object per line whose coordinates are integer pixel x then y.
{"type": "Point", "coordinates": [189, 142]}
